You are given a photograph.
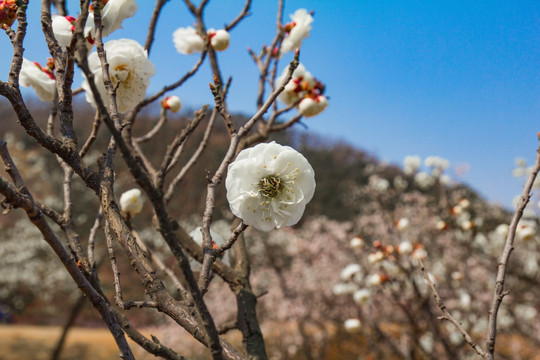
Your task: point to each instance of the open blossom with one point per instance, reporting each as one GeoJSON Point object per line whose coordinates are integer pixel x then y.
{"type": "Point", "coordinates": [217, 240]}
{"type": "Point", "coordinates": [362, 296]}
{"type": "Point", "coordinates": [129, 69]}
{"type": "Point", "coordinates": [402, 224]}
{"type": "Point", "coordinates": [112, 15]}
{"type": "Point", "coordinates": [41, 79]}
{"type": "Point", "coordinates": [311, 106]}
{"type": "Point", "coordinates": [357, 242]}
{"type": "Point", "coordinates": [172, 103]}
{"type": "Point", "coordinates": [352, 325]}
{"type": "Point", "coordinates": [63, 29]}
{"type": "Point", "coordinates": [350, 271]}
{"type": "Point", "coordinates": [301, 82]}
{"type": "Point", "coordinates": [412, 164]}
{"type": "Point", "coordinates": [131, 202]}
{"type": "Point", "coordinates": [188, 41]}
{"type": "Point", "coordinates": [297, 30]}
{"type": "Point", "coordinates": [269, 185]}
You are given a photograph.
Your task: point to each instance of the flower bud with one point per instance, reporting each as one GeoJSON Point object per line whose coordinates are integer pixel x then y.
{"type": "Point", "coordinates": [172, 103]}
{"type": "Point", "coordinates": [131, 202]}
{"type": "Point", "coordinates": [219, 40]}
{"type": "Point", "coordinates": [352, 325]}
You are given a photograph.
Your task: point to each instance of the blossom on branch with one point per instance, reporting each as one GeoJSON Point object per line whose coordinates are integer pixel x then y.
{"type": "Point", "coordinates": [219, 39]}
{"type": "Point", "coordinates": [41, 79]}
{"type": "Point", "coordinates": [269, 185]}
{"type": "Point", "coordinates": [172, 103]}
{"type": "Point", "coordinates": [63, 29]}
{"type": "Point", "coordinates": [113, 14]}
{"type": "Point", "coordinates": [304, 89]}
{"type": "Point", "coordinates": [297, 30]}
{"type": "Point", "coordinates": [311, 106]}
{"type": "Point", "coordinates": [130, 72]}
{"type": "Point", "coordinates": [131, 202]}
{"type": "Point", "coordinates": [187, 41]}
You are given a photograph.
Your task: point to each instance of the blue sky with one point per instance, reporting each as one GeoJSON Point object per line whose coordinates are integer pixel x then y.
{"type": "Point", "coordinates": [456, 79]}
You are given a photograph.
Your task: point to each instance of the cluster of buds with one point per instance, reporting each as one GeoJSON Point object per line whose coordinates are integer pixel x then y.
{"type": "Point", "coordinates": [8, 13]}
{"type": "Point", "coordinates": [48, 69]}
{"type": "Point", "coordinates": [305, 91]}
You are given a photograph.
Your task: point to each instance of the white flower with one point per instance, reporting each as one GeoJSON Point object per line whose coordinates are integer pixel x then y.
{"type": "Point", "coordinates": [112, 15]}
{"type": "Point", "coordinates": [361, 296]}
{"type": "Point", "coordinates": [400, 183]}
{"type": "Point", "coordinates": [187, 41]}
{"type": "Point", "coordinates": [502, 230]}
{"type": "Point", "coordinates": [375, 257]}
{"type": "Point", "coordinates": [357, 242]}
{"type": "Point", "coordinates": [172, 103]}
{"type": "Point", "coordinates": [217, 240]}
{"type": "Point", "coordinates": [40, 79]}
{"type": "Point", "coordinates": [405, 247]}
{"type": "Point", "coordinates": [269, 185]}
{"type": "Point", "coordinates": [352, 325]}
{"type": "Point", "coordinates": [344, 288]}
{"type": "Point", "coordinates": [402, 224]}
{"type": "Point", "coordinates": [526, 230]}
{"type": "Point", "coordinates": [299, 30]}
{"type": "Point", "coordinates": [63, 29]}
{"type": "Point", "coordinates": [378, 184]}
{"type": "Point", "coordinates": [424, 180]}
{"type": "Point", "coordinates": [374, 280]}
{"type": "Point", "coordinates": [311, 106]}
{"type": "Point", "coordinates": [131, 202]}
{"type": "Point", "coordinates": [219, 39]}
{"type": "Point", "coordinates": [412, 164]}
{"type": "Point", "coordinates": [350, 271]}
{"type": "Point", "coordinates": [130, 72]}
{"type": "Point", "coordinates": [301, 82]}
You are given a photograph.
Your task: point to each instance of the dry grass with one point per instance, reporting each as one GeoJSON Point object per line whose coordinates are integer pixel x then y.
{"type": "Point", "coordinates": [23, 342]}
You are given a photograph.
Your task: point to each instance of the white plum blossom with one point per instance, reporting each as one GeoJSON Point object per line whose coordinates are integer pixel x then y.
{"type": "Point", "coordinates": [405, 247]}
{"type": "Point", "coordinates": [112, 15]}
{"type": "Point", "coordinates": [296, 88]}
{"type": "Point", "coordinates": [344, 288]}
{"type": "Point", "coordinates": [130, 72]}
{"type": "Point", "coordinates": [526, 229]}
{"type": "Point", "coordinates": [379, 184]}
{"type": "Point", "coordinates": [502, 230]}
{"type": "Point", "coordinates": [219, 39]}
{"type": "Point", "coordinates": [63, 29]}
{"type": "Point", "coordinates": [362, 296]}
{"type": "Point", "coordinates": [41, 79]}
{"type": "Point", "coordinates": [297, 30]}
{"type": "Point", "coordinates": [172, 103]}
{"type": "Point", "coordinates": [350, 271]}
{"type": "Point", "coordinates": [357, 242]}
{"type": "Point", "coordinates": [187, 41]}
{"type": "Point", "coordinates": [375, 257]}
{"type": "Point", "coordinates": [131, 202]}
{"type": "Point", "coordinates": [269, 185]}
{"type": "Point", "coordinates": [311, 106]}
{"type": "Point", "coordinates": [217, 240]}
{"type": "Point", "coordinates": [424, 180]}
{"type": "Point", "coordinates": [412, 164]}
{"type": "Point", "coordinates": [352, 325]}
{"type": "Point", "coordinates": [402, 224]}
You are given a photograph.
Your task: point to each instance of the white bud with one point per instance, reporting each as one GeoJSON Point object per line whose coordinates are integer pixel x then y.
{"type": "Point", "coordinates": [131, 202]}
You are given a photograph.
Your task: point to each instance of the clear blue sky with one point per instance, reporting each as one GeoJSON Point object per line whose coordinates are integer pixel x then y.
{"type": "Point", "coordinates": [456, 79]}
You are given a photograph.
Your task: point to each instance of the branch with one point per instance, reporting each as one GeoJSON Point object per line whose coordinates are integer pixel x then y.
{"type": "Point", "coordinates": [449, 317]}
{"type": "Point", "coordinates": [153, 22]}
{"type": "Point", "coordinates": [505, 257]}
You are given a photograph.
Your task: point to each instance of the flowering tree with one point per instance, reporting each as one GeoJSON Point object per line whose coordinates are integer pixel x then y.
{"type": "Point", "coordinates": [268, 185]}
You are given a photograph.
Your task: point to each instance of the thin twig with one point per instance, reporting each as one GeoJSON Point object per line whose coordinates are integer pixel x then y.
{"type": "Point", "coordinates": [499, 292]}
{"type": "Point", "coordinates": [449, 317]}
